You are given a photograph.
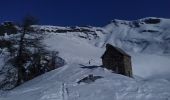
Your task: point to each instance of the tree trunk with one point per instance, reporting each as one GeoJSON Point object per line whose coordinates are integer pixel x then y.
{"type": "Point", "coordinates": [19, 62]}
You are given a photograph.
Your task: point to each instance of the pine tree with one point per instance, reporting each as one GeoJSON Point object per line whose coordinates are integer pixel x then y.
{"type": "Point", "coordinates": [24, 42]}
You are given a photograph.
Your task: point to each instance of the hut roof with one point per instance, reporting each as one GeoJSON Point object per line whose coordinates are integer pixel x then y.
{"type": "Point", "coordinates": [109, 46]}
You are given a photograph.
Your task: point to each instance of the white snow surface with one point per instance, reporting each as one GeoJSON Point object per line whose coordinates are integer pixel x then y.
{"type": "Point", "coordinates": [151, 70]}
{"type": "Point", "coordinates": [60, 84]}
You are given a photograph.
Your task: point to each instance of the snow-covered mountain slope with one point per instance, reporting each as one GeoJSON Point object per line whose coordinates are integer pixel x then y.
{"type": "Point", "coordinates": [74, 49]}
{"type": "Point", "coordinates": [147, 35]}
{"type": "Point", "coordinates": [82, 48]}
{"type": "Point", "coordinates": [61, 84]}
{"type": "Point", "coordinates": [139, 38]}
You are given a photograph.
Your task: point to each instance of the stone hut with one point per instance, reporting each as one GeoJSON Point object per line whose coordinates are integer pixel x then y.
{"type": "Point", "coordinates": [117, 60]}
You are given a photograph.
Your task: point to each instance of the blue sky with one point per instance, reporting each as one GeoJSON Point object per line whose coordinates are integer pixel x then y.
{"type": "Point", "coordinates": [82, 12]}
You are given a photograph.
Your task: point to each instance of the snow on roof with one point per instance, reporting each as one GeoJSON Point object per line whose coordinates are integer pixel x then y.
{"type": "Point", "coordinates": [117, 49]}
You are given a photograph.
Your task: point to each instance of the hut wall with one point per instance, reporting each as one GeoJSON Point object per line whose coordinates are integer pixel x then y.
{"type": "Point", "coordinates": [116, 61]}
{"type": "Point", "coordinates": [128, 66]}
{"type": "Point", "coordinates": [109, 63]}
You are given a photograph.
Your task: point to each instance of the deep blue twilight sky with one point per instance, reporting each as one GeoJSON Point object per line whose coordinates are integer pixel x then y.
{"type": "Point", "coordinates": [82, 12]}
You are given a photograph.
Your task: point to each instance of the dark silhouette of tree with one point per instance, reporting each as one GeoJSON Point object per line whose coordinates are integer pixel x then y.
{"type": "Point", "coordinates": [27, 57]}
{"type": "Point", "coordinates": [22, 55]}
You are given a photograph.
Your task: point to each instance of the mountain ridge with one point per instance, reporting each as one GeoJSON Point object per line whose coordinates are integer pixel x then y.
{"type": "Point", "coordinates": [138, 36]}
